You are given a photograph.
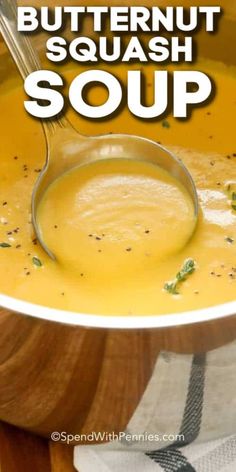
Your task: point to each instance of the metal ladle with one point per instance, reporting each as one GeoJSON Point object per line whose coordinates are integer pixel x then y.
{"type": "Point", "coordinates": [66, 148]}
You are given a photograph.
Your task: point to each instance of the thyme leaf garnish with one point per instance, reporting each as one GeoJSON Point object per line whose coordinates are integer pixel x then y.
{"type": "Point", "coordinates": [189, 266]}
{"type": "Point", "coordinates": [165, 124]}
{"type": "Point", "coordinates": [233, 199]}
{"type": "Point", "coordinates": [36, 261]}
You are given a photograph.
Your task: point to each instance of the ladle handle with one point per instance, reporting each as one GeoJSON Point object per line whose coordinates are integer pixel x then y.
{"type": "Point", "coordinates": [20, 47]}
{"type": "Point", "coordinates": [25, 57]}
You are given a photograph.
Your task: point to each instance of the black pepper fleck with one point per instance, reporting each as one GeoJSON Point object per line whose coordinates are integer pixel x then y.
{"type": "Point", "coordinates": [229, 240]}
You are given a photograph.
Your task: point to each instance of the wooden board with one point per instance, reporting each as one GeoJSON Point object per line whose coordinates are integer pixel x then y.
{"type": "Point", "coordinates": [21, 451]}
{"type": "Point", "coordinates": [24, 452]}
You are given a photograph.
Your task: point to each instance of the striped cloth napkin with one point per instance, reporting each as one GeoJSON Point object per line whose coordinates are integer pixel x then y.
{"type": "Point", "coordinates": [190, 404]}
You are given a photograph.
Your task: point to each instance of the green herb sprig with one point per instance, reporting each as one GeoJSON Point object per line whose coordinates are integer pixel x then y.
{"type": "Point", "coordinates": [189, 266]}
{"type": "Point", "coordinates": [4, 245]}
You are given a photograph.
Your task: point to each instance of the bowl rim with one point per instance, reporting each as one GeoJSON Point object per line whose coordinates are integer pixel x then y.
{"type": "Point", "coordinates": [84, 320]}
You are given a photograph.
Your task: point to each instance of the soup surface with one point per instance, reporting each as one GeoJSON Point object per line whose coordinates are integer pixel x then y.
{"type": "Point", "coordinates": [108, 213]}
{"type": "Point", "coordinates": [93, 217]}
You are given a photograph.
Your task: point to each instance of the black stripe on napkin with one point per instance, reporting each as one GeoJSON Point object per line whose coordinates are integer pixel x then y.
{"type": "Point", "coordinates": [170, 458]}
{"type": "Point", "coordinates": [191, 424]}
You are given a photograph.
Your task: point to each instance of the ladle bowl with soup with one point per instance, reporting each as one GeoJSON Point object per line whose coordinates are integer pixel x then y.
{"type": "Point", "coordinates": [92, 334]}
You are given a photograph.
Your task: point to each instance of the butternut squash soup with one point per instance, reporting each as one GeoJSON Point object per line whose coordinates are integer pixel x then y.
{"type": "Point", "coordinates": [111, 208]}
{"type": "Point", "coordinates": [120, 228]}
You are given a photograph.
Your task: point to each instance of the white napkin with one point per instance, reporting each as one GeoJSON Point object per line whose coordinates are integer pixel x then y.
{"type": "Point", "coordinates": [190, 403]}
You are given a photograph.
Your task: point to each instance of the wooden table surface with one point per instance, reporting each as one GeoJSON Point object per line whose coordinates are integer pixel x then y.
{"type": "Point", "coordinates": [24, 452]}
